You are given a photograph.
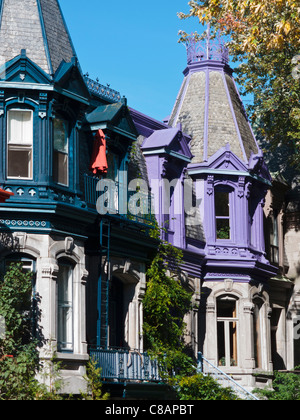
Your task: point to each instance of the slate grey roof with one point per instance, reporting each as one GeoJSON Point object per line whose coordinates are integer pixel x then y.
{"type": "Point", "coordinates": [38, 27]}
{"type": "Point", "coordinates": [210, 110]}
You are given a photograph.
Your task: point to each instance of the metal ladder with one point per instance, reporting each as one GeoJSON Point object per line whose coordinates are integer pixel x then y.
{"type": "Point", "coordinates": [103, 284]}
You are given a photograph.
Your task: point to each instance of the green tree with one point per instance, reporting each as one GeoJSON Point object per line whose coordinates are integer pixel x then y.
{"type": "Point", "coordinates": [19, 345]}
{"type": "Point", "coordinates": [200, 387]}
{"type": "Point", "coordinates": [19, 359]}
{"type": "Point", "coordinates": [166, 302]}
{"type": "Point", "coordinates": [94, 384]}
{"type": "Point", "coordinates": [265, 37]}
{"type": "Point", "coordinates": [285, 387]}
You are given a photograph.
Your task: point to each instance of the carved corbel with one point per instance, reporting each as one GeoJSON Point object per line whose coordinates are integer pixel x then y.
{"type": "Point", "coordinates": [43, 100]}
{"type": "Point", "coordinates": [2, 106]}
{"type": "Point", "coordinates": [210, 184]}
{"type": "Point", "coordinates": [50, 270]}
{"type": "Point", "coordinates": [241, 187]}
{"type": "Point", "coordinates": [248, 308]}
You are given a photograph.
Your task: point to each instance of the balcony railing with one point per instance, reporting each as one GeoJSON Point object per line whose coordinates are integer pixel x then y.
{"type": "Point", "coordinates": [125, 365]}
{"type": "Point", "coordinates": [116, 199]}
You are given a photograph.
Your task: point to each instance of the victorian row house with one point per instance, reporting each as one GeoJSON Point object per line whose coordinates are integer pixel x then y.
{"type": "Point", "coordinates": [77, 219]}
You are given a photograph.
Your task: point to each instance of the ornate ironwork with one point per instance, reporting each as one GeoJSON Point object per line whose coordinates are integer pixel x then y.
{"type": "Point", "coordinates": [125, 365]}
{"type": "Point", "coordinates": [206, 48]}
{"type": "Point", "coordinates": [103, 92]}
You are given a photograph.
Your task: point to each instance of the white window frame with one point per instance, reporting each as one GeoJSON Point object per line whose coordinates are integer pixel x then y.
{"type": "Point", "coordinates": [227, 337]}
{"type": "Point", "coordinates": [17, 146]}
{"type": "Point", "coordinates": [220, 189]}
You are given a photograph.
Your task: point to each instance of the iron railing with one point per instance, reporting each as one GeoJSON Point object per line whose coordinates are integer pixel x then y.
{"type": "Point", "coordinates": [207, 368]}
{"type": "Point", "coordinates": [131, 365]}
{"type": "Point", "coordinates": [116, 199]}
{"type": "Point", "coordinates": [104, 92]}
{"type": "Point", "coordinates": [125, 365]}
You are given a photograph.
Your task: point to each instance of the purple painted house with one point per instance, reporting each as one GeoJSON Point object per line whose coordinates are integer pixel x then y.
{"type": "Point", "coordinates": [209, 181]}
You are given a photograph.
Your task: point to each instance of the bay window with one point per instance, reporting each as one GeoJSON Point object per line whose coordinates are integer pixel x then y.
{"type": "Point", "coordinates": [20, 144]}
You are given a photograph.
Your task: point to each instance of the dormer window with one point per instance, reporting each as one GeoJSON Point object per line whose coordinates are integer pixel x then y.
{"type": "Point", "coordinates": [222, 210]}
{"type": "Point", "coordinates": [61, 152]}
{"type": "Point", "coordinates": [20, 144]}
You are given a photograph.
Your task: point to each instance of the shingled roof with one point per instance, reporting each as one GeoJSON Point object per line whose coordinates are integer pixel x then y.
{"type": "Point", "coordinates": [209, 106]}
{"type": "Point", "coordinates": [38, 27]}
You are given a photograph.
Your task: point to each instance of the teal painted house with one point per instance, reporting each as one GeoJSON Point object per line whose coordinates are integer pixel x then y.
{"type": "Point", "coordinates": [83, 177]}
{"type": "Point", "coordinates": [60, 134]}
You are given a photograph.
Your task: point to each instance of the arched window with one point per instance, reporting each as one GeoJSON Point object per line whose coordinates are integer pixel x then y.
{"type": "Point", "coordinates": [227, 327]}
{"type": "Point", "coordinates": [65, 310]}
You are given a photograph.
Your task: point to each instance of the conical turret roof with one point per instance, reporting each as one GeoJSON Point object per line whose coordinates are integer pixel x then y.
{"type": "Point", "coordinates": [38, 27]}
{"type": "Point", "coordinates": [209, 106]}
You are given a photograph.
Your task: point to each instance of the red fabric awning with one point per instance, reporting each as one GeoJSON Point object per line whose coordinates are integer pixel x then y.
{"type": "Point", "coordinates": [99, 161]}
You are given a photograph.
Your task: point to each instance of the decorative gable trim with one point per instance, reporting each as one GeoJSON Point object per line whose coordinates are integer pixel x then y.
{"type": "Point", "coordinates": [22, 70]}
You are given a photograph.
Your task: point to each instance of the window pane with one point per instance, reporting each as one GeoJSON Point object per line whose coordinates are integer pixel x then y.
{"type": "Point", "coordinates": [233, 343]}
{"type": "Point", "coordinates": [221, 344]}
{"type": "Point", "coordinates": [274, 231]}
{"type": "Point", "coordinates": [19, 163]}
{"type": "Point", "coordinates": [60, 136]}
{"type": "Point", "coordinates": [223, 228]}
{"type": "Point", "coordinates": [257, 336]}
{"type": "Point", "coordinates": [226, 308]}
{"type": "Point", "coordinates": [222, 203]}
{"type": "Point", "coordinates": [60, 168]}
{"type": "Point", "coordinates": [20, 127]}
{"type": "Point", "coordinates": [65, 308]}
{"type": "Point", "coordinates": [61, 151]}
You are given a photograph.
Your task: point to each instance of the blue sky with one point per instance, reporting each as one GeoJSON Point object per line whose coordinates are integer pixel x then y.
{"type": "Point", "coordinates": [133, 46]}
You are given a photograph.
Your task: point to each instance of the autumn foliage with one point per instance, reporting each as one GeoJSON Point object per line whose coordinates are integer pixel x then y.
{"type": "Point", "coordinates": [264, 38]}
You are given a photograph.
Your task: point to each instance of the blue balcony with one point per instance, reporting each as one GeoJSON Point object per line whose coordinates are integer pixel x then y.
{"type": "Point", "coordinates": [116, 199]}
{"type": "Point", "coordinates": [124, 365]}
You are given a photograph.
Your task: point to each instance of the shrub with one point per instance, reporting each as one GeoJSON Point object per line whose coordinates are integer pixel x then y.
{"type": "Point", "coordinates": [200, 387]}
